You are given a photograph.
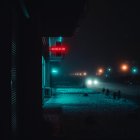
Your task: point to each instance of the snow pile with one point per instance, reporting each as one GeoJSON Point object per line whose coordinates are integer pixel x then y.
{"type": "Point", "coordinates": [74, 90]}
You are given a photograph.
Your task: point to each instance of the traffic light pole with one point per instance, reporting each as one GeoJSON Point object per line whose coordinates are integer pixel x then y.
{"type": "Point", "coordinates": [48, 77]}
{"type": "Point", "coordinates": [46, 69]}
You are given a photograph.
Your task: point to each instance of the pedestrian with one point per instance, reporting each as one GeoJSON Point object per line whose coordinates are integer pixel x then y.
{"type": "Point", "coordinates": [119, 94]}
{"type": "Point", "coordinates": [114, 95]}
{"type": "Point", "coordinates": [107, 92]}
{"type": "Point", "coordinates": [103, 90]}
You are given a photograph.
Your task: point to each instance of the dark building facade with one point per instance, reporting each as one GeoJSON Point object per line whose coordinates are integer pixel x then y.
{"type": "Point", "coordinates": [22, 26]}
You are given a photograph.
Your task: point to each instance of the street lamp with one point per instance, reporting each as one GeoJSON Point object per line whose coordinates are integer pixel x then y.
{"type": "Point", "coordinates": [100, 71]}
{"type": "Point", "coordinates": [124, 67]}
{"type": "Point", "coordinates": [84, 73]}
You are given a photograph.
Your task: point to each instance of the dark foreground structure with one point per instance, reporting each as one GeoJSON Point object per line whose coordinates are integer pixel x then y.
{"type": "Point", "coordinates": [23, 24]}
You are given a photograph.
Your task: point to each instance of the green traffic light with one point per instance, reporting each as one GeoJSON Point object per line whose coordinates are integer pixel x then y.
{"type": "Point", "coordinates": [54, 71]}
{"type": "Point", "coordinates": [60, 39]}
{"type": "Point", "coordinates": [134, 70]}
{"type": "Point", "coordinates": [109, 69]}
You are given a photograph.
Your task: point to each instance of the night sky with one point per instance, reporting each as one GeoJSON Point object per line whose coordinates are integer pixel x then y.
{"type": "Point", "coordinates": [108, 35]}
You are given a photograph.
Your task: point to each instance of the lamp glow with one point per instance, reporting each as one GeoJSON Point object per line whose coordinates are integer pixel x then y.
{"type": "Point", "coordinates": [134, 70]}
{"type": "Point", "coordinates": [89, 82]}
{"type": "Point", "coordinates": [54, 71]}
{"type": "Point", "coordinates": [95, 82]}
{"type": "Point", "coordinates": [124, 67]}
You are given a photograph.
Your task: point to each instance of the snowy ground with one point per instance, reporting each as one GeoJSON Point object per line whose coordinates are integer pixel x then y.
{"type": "Point", "coordinates": [73, 99]}
{"type": "Point", "coordinates": [96, 116]}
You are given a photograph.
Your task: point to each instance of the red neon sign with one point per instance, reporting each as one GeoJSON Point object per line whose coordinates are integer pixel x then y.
{"type": "Point", "coordinates": [58, 49]}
